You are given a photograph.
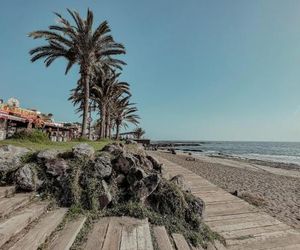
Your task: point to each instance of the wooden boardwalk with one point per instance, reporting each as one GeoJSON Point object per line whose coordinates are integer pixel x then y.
{"type": "Point", "coordinates": [242, 225]}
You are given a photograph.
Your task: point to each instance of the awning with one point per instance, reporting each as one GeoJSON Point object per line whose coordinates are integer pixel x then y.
{"type": "Point", "coordinates": [11, 117]}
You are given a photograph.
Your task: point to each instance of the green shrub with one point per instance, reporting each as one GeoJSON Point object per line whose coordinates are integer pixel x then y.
{"type": "Point", "coordinates": [32, 135]}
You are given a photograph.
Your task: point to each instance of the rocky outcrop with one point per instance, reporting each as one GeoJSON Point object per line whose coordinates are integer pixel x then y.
{"type": "Point", "coordinates": [46, 155]}
{"type": "Point", "coordinates": [10, 159]}
{"type": "Point", "coordinates": [181, 183]}
{"type": "Point", "coordinates": [57, 167]}
{"type": "Point", "coordinates": [103, 167]}
{"type": "Point", "coordinates": [83, 150]}
{"type": "Point", "coordinates": [26, 178]}
{"type": "Point", "coordinates": [155, 163]}
{"type": "Point", "coordinates": [115, 149]}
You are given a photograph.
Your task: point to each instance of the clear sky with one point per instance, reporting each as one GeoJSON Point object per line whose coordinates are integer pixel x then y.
{"type": "Point", "coordinates": [198, 69]}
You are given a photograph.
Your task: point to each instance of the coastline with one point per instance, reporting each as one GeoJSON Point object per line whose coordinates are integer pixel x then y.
{"type": "Point", "coordinates": [275, 190]}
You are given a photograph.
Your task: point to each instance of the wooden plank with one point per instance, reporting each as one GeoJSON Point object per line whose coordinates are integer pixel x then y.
{"type": "Point", "coordinates": [8, 205]}
{"type": "Point", "coordinates": [281, 241]}
{"type": "Point", "coordinates": [97, 235]}
{"type": "Point", "coordinates": [7, 191]}
{"type": "Point", "coordinates": [129, 239]}
{"type": "Point", "coordinates": [113, 235]}
{"type": "Point", "coordinates": [39, 233]}
{"type": "Point", "coordinates": [14, 225]}
{"type": "Point", "coordinates": [180, 242]}
{"type": "Point", "coordinates": [144, 240]}
{"type": "Point", "coordinates": [248, 224]}
{"type": "Point", "coordinates": [224, 218]}
{"type": "Point", "coordinates": [252, 232]}
{"type": "Point", "coordinates": [66, 237]}
{"type": "Point", "coordinates": [162, 238]}
{"type": "Point", "coordinates": [237, 220]}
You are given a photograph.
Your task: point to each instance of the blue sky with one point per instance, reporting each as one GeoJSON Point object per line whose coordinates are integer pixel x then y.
{"type": "Point", "coordinates": [199, 70]}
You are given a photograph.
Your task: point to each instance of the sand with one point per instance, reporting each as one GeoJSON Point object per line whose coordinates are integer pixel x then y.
{"type": "Point", "coordinates": [278, 192]}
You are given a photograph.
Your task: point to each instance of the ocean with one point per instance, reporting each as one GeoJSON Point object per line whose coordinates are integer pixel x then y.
{"type": "Point", "coordinates": [286, 152]}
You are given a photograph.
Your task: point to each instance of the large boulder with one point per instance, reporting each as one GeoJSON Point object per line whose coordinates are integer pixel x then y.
{"type": "Point", "coordinates": [135, 174]}
{"type": "Point", "coordinates": [102, 167]}
{"type": "Point", "coordinates": [105, 197]}
{"type": "Point", "coordinates": [155, 163]}
{"type": "Point", "coordinates": [144, 162]}
{"type": "Point", "coordinates": [123, 163]}
{"type": "Point", "coordinates": [179, 181]}
{"type": "Point", "coordinates": [57, 167]}
{"type": "Point", "coordinates": [114, 149]}
{"type": "Point", "coordinates": [83, 150]}
{"type": "Point", "coordinates": [46, 155]}
{"type": "Point", "coordinates": [195, 206]}
{"type": "Point", "coordinates": [11, 159]}
{"type": "Point", "coordinates": [145, 187]}
{"type": "Point", "coordinates": [26, 178]}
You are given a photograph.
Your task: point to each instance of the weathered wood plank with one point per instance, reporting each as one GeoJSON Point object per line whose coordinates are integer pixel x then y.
{"type": "Point", "coordinates": [38, 234]}
{"type": "Point", "coordinates": [65, 238]}
{"type": "Point", "coordinates": [144, 240]}
{"type": "Point", "coordinates": [180, 242]}
{"type": "Point", "coordinates": [97, 235]}
{"type": "Point", "coordinates": [162, 238]}
{"type": "Point", "coordinates": [14, 225]}
{"type": "Point", "coordinates": [7, 191]}
{"type": "Point", "coordinates": [8, 205]}
{"type": "Point", "coordinates": [113, 236]}
{"type": "Point", "coordinates": [129, 239]}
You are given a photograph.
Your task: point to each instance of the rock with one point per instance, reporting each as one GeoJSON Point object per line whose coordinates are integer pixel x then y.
{"type": "Point", "coordinates": [83, 150]}
{"type": "Point", "coordinates": [114, 149]}
{"type": "Point", "coordinates": [196, 205]}
{"type": "Point", "coordinates": [105, 197]}
{"type": "Point", "coordinates": [179, 181]}
{"type": "Point", "coordinates": [155, 163]}
{"type": "Point", "coordinates": [135, 174]}
{"type": "Point", "coordinates": [235, 193]}
{"type": "Point", "coordinates": [46, 155]}
{"type": "Point", "coordinates": [120, 179]}
{"type": "Point", "coordinates": [144, 162]}
{"type": "Point", "coordinates": [173, 151]}
{"type": "Point", "coordinates": [103, 167]}
{"type": "Point", "coordinates": [123, 163]}
{"type": "Point", "coordinates": [10, 159]}
{"type": "Point", "coordinates": [57, 167]}
{"type": "Point", "coordinates": [145, 187]}
{"type": "Point", "coordinates": [26, 178]}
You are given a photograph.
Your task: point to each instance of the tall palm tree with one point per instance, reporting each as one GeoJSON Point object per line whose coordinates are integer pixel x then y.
{"type": "Point", "coordinates": [124, 113]}
{"type": "Point", "coordinates": [79, 44]}
{"type": "Point", "coordinates": [105, 92]}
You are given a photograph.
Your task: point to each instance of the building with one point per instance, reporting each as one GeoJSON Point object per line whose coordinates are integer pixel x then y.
{"type": "Point", "coordinates": [13, 119]}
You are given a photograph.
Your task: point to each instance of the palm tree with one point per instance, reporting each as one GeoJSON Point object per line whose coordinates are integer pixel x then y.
{"type": "Point", "coordinates": [105, 93]}
{"type": "Point", "coordinates": [79, 44]}
{"type": "Point", "coordinates": [139, 132]}
{"type": "Point", "coordinates": [124, 112]}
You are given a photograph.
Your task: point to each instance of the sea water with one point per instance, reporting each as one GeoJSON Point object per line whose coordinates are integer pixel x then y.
{"type": "Point", "coordinates": [286, 152]}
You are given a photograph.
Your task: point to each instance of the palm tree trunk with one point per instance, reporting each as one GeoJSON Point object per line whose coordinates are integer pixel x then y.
{"type": "Point", "coordinates": [117, 131]}
{"type": "Point", "coordinates": [103, 116]}
{"type": "Point", "coordinates": [86, 104]}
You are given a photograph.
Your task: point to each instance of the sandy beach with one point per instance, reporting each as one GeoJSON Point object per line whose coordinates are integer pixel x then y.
{"type": "Point", "coordinates": [276, 190]}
